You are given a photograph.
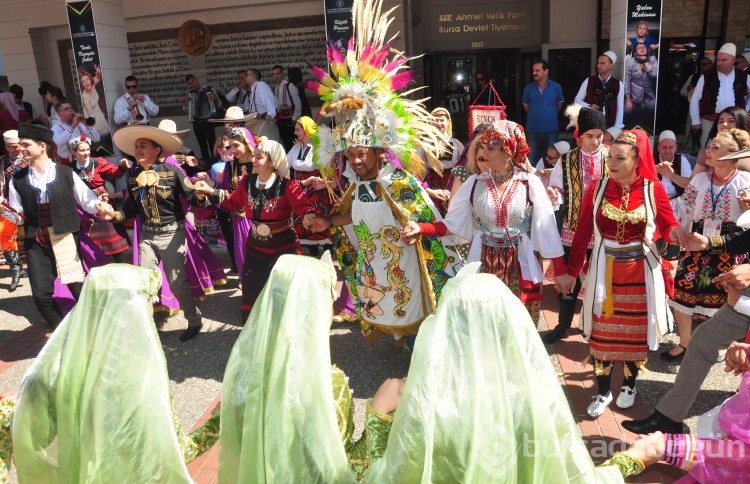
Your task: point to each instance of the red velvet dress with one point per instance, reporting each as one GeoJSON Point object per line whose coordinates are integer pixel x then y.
{"type": "Point", "coordinates": [621, 220]}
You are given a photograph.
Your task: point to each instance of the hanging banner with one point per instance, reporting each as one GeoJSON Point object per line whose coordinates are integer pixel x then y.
{"type": "Point", "coordinates": [339, 28]}
{"type": "Point", "coordinates": [642, 63]}
{"type": "Point", "coordinates": [93, 105]}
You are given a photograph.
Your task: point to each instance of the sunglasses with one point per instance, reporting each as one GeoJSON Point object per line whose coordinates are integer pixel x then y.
{"type": "Point", "coordinates": [131, 86]}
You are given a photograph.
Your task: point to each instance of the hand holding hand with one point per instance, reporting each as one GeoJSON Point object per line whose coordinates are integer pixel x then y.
{"type": "Point", "coordinates": [315, 182]}
{"type": "Point", "coordinates": [733, 294]}
{"type": "Point", "coordinates": [203, 188]}
{"type": "Point", "coordinates": [695, 242]}
{"type": "Point", "coordinates": [308, 219]}
{"type": "Point", "coordinates": [738, 278]}
{"type": "Point", "coordinates": [678, 235]}
{"type": "Point", "coordinates": [105, 211]}
{"type": "Point", "coordinates": [553, 195]}
{"type": "Point", "coordinates": [441, 195]}
{"type": "Point", "coordinates": [565, 284]}
{"type": "Point", "coordinates": [736, 360]}
{"type": "Point", "coordinates": [648, 448]}
{"type": "Point", "coordinates": [318, 224]}
{"type": "Point", "coordinates": [410, 232]}
{"type": "Point", "coordinates": [388, 396]}
{"type": "Point", "coordinates": [595, 107]}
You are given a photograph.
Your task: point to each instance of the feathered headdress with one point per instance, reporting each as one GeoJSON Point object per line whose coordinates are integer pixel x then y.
{"type": "Point", "coordinates": [361, 95]}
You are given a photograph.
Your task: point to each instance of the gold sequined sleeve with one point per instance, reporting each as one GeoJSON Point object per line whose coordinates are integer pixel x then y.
{"type": "Point", "coordinates": [373, 442]}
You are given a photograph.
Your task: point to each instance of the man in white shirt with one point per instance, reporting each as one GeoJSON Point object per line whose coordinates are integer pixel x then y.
{"type": "Point", "coordinates": [289, 106]}
{"type": "Point", "coordinates": [603, 92]}
{"type": "Point", "coordinates": [674, 168]}
{"type": "Point", "coordinates": [263, 102]}
{"type": "Point", "coordinates": [722, 87]}
{"type": "Point", "coordinates": [71, 125]}
{"type": "Point", "coordinates": [134, 107]}
{"type": "Point", "coordinates": [48, 211]}
{"type": "Point", "coordinates": [239, 95]}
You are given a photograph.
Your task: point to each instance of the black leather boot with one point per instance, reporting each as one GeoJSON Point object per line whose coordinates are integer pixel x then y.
{"type": "Point", "coordinates": [17, 272]}
{"type": "Point", "coordinates": [565, 319]}
{"type": "Point", "coordinates": [657, 421]}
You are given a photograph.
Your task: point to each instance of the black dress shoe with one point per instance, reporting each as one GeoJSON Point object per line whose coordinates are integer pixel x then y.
{"type": "Point", "coordinates": [657, 421]}
{"type": "Point", "coordinates": [667, 356]}
{"type": "Point", "coordinates": [190, 333]}
{"type": "Point", "coordinates": [560, 331]}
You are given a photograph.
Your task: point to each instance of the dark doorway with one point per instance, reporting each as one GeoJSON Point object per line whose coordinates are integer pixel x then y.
{"type": "Point", "coordinates": [569, 67]}
{"type": "Point", "coordinates": [502, 66]}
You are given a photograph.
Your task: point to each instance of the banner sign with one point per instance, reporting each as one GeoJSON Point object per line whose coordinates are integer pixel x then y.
{"type": "Point", "coordinates": [339, 28]}
{"type": "Point", "coordinates": [93, 105]}
{"type": "Point", "coordinates": [642, 63]}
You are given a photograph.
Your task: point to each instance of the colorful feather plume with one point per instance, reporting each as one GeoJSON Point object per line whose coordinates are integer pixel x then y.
{"type": "Point", "coordinates": [361, 93]}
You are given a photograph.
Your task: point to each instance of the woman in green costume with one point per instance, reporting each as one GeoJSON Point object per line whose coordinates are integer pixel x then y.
{"type": "Point", "coordinates": [482, 402]}
{"type": "Point", "coordinates": [286, 413]}
{"type": "Point", "coordinates": [95, 406]}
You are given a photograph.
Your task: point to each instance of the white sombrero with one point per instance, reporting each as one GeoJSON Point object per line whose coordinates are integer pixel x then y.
{"type": "Point", "coordinates": [126, 137]}
{"type": "Point", "coordinates": [235, 115]}
{"type": "Point", "coordinates": [171, 127]}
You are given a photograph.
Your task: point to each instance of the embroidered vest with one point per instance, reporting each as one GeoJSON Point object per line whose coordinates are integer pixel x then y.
{"type": "Point", "coordinates": [573, 189]}
{"type": "Point", "coordinates": [707, 104]}
{"type": "Point", "coordinates": [62, 202]}
{"type": "Point", "coordinates": [604, 95]}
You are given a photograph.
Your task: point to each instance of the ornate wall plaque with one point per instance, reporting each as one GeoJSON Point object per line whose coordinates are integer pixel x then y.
{"type": "Point", "coordinates": [194, 37]}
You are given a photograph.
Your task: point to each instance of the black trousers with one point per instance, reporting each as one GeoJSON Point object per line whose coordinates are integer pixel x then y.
{"type": "Point", "coordinates": [568, 302]}
{"type": "Point", "coordinates": [42, 275]}
{"type": "Point", "coordinates": [227, 229]}
{"type": "Point", "coordinates": [205, 132]}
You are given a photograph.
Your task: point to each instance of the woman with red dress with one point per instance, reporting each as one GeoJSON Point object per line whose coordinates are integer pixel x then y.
{"type": "Point", "coordinates": [269, 200]}
{"type": "Point", "coordinates": [112, 239]}
{"type": "Point", "coordinates": [625, 311]}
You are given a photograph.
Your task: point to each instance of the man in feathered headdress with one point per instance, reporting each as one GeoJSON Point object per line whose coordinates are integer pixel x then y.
{"type": "Point", "coordinates": [571, 177]}
{"type": "Point", "coordinates": [394, 285]}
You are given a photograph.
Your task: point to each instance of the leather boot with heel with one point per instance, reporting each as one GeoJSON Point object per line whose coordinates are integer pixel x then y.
{"type": "Point", "coordinates": [17, 271]}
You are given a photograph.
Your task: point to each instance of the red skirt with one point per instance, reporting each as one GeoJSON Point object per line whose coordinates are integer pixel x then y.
{"type": "Point", "coordinates": [503, 262]}
{"type": "Point", "coordinates": [624, 335]}
{"type": "Point", "coordinates": [105, 236]}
